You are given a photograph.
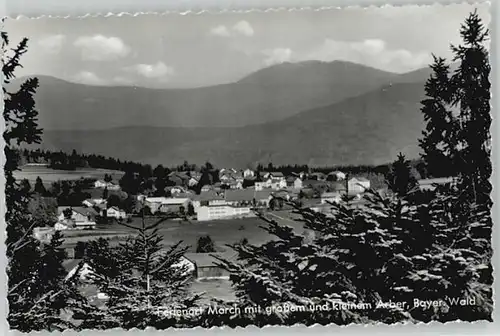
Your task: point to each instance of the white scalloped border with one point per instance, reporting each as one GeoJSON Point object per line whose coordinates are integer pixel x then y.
{"type": "Point", "coordinates": [466, 326]}
{"type": "Point", "coordinates": [219, 11]}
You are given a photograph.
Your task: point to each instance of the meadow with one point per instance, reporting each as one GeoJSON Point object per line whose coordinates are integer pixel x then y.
{"type": "Point", "coordinates": [222, 232]}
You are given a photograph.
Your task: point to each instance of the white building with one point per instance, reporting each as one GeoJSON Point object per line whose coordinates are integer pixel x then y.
{"type": "Point", "coordinates": [358, 185]}
{"type": "Point", "coordinates": [248, 173]}
{"type": "Point", "coordinates": [115, 212]}
{"type": "Point", "coordinates": [206, 213]}
{"type": "Point", "coordinates": [80, 218]}
{"type": "Point", "coordinates": [92, 202]}
{"type": "Point", "coordinates": [100, 184]}
{"type": "Point", "coordinates": [338, 175]}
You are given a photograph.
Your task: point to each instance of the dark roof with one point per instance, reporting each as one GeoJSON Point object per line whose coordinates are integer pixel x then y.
{"type": "Point", "coordinates": [207, 196]}
{"type": "Point", "coordinates": [246, 194]}
{"type": "Point", "coordinates": [81, 210]}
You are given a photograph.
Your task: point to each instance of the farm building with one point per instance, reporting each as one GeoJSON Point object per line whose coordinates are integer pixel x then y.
{"type": "Point", "coordinates": [358, 185]}
{"type": "Point", "coordinates": [204, 264]}
{"type": "Point", "coordinates": [100, 184]}
{"type": "Point", "coordinates": [115, 212]}
{"type": "Point", "coordinates": [79, 218]}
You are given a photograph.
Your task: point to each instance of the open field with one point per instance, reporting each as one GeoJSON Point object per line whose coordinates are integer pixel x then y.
{"type": "Point", "coordinates": [222, 232]}
{"type": "Point", "coordinates": [52, 175]}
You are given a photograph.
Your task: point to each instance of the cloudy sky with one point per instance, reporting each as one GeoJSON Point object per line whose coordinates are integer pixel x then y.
{"type": "Point", "coordinates": [191, 50]}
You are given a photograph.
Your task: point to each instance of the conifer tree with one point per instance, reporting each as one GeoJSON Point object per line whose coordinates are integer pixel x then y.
{"type": "Point", "coordinates": [142, 279]}
{"type": "Point", "coordinates": [39, 187]}
{"type": "Point", "coordinates": [439, 143]}
{"type": "Point", "coordinates": [388, 250]}
{"type": "Point", "coordinates": [472, 96]}
{"type": "Point", "coordinates": [36, 295]}
{"type": "Point", "coordinates": [400, 178]}
{"type": "Point", "coordinates": [459, 143]}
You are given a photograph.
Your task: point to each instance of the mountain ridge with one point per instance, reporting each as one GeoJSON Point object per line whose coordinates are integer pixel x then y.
{"type": "Point", "coordinates": [369, 129]}
{"type": "Point", "coordinates": [68, 106]}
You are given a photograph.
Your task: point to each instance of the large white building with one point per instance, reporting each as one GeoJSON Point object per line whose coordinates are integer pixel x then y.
{"type": "Point", "coordinates": [206, 213]}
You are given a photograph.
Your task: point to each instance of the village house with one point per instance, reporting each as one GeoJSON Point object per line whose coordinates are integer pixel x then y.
{"type": "Point", "coordinates": [80, 218]}
{"type": "Point", "coordinates": [193, 181]}
{"type": "Point", "coordinates": [358, 185]}
{"type": "Point", "coordinates": [271, 183]}
{"type": "Point", "coordinates": [176, 190]}
{"type": "Point", "coordinates": [248, 173]}
{"type": "Point", "coordinates": [179, 178]}
{"type": "Point", "coordinates": [235, 185]}
{"type": "Point", "coordinates": [336, 176]}
{"type": "Point", "coordinates": [248, 197]}
{"type": "Point", "coordinates": [100, 184]}
{"type": "Point", "coordinates": [318, 176]}
{"type": "Point", "coordinates": [204, 264]}
{"type": "Point", "coordinates": [273, 175]}
{"type": "Point", "coordinates": [294, 182]}
{"type": "Point", "coordinates": [115, 212]}
{"type": "Point", "coordinates": [207, 198]}
{"type": "Point", "coordinates": [206, 188]}
{"type": "Point", "coordinates": [94, 202]}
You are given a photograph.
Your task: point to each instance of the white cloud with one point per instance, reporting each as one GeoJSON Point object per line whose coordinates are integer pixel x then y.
{"type": "Point", "coordinates": [277, 56]}
{"type": "Point", "coordinates": [52, 44]}
{"type": "Point", "coordinates": [101, 48]}
{"type": "Point", "coordinates": [220, 31]}
{"type": "Point", "coordinates": [371, 52]}
{"type": "Point", "coordinates": [243, 28]}
{"type": "Point", "coordinates": [158, 70]}
{"type": "Point", "coordinates": [88, 77]}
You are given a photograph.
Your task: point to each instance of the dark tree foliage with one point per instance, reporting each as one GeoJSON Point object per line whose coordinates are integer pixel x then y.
{"type": "Point", "coordinates": [387, 250]}
{"type": "Point", "coordinates": [39, 187]}
{"type": "Point", "coordinates": [400, 178]}
{"type": "Point", "coordinates": [36, 290]}
{"type": "Point", "coordinates": [439, 142]}
{"type": "Point", "coordinates": [142, 280]}
{"type": "Point", "coordinates": [459, 143]}
{"type": "Point", "coordinates": [190, 210]}
{"type": "Point", "coordinates": [205, 245]}
{"type": "Point", "coordinates": [105, 193]}
{"type": "Point", "coordinates": [472, 95]}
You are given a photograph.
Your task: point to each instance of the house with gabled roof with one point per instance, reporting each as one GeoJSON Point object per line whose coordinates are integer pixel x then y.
{"type": "Point", "coordinates": [76, 217]}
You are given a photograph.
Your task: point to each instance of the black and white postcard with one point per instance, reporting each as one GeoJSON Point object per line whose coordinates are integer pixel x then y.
{"type": "Point", "coordinates": [259, 168]}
